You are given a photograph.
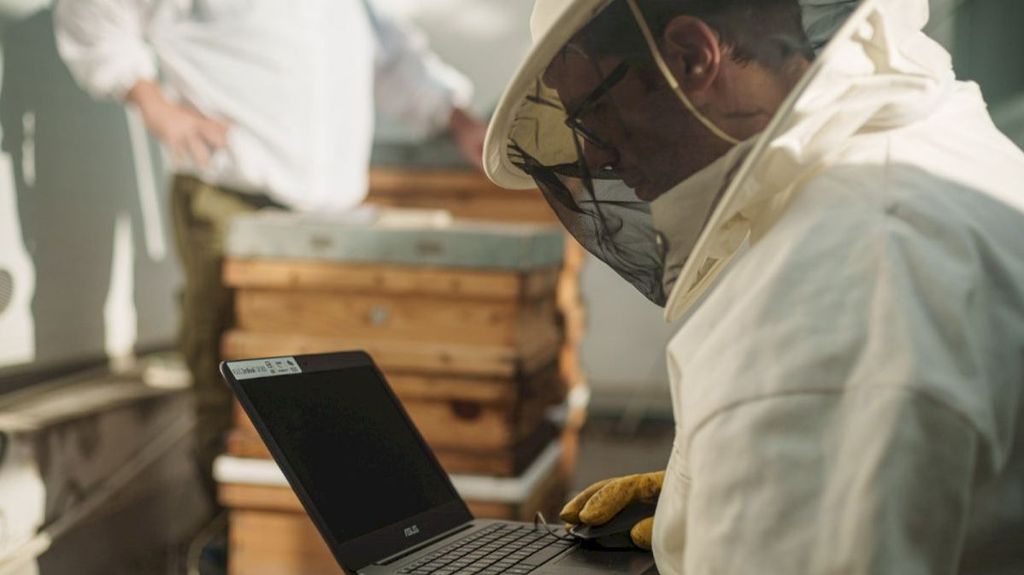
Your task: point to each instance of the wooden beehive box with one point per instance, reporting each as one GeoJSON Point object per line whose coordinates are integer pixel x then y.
{"type": "Point", "coordinates": [462, 319]}
{"type": "Point", "coordinates": [469, 194]}
{"type": "Point", "coordinates": [476, 328]}
{"type": "Point", "coordinates": [413, 317]}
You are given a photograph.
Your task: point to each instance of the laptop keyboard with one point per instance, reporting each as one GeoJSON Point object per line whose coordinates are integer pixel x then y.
{"type": "Point", "coordinates": [500, 548]}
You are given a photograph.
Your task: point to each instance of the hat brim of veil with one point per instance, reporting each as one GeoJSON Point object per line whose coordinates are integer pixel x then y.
{"type": "Point", "coordinates": [572, 17]}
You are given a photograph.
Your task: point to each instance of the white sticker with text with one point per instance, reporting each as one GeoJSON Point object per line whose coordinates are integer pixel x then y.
{"type": "Point", "coordinates": [269, 367]}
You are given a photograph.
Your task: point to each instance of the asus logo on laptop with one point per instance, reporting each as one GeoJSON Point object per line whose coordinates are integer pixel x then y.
{"type": "Point", "coordinates": [410, 531]}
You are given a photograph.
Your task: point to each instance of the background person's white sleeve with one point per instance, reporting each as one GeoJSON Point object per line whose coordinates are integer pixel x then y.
{"type": "Point", "coordinates": [870, 481]}
{"type": "Point", "coordinates": [103, 44]}
{"type": "Point", "coordinates": [412, 84]}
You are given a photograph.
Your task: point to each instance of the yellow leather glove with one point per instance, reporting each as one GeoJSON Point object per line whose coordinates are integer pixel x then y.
{"type": "Point", "coordinates": [597, 504]}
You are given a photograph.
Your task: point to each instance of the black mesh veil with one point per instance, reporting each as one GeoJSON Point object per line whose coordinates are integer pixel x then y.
{"type": "Point", "coordinates": [601, 212]}
{"type": "Point", "coordinates": [604, 132]}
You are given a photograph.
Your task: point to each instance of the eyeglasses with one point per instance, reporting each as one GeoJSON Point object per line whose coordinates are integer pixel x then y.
{"type": "Point", "coordinates": [573, 121]}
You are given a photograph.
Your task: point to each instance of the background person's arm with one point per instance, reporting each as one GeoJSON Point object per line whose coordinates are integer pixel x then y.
{"type": "Point", "coordinates": [185, 132]}
{"type": "Point", "coordinates": [103, 44]}
{"type": "Point", "coordinates": [414, 85]}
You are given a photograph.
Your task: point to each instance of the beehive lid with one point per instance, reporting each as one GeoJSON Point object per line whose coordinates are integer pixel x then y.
{"type": "Point", "coordinates": [428, 239]}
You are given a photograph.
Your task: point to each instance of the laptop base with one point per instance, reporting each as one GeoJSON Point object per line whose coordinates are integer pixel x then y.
{"type": "Point", "coordinates": [491, 547]}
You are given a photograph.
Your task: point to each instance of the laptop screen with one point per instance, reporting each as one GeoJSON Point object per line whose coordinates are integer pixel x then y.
{"type": "Point", "coordinates": [350, 447]}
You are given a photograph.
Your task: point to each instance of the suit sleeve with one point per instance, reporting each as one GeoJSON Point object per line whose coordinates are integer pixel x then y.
{"type": "Point", "coordinates": [844, 413]}
{"type": "Point", "coordinates": [412, 83]}
{"type": "Point", "coordinates": [103, 44]}
{"type": "Point", "coordinates": [873, 481]}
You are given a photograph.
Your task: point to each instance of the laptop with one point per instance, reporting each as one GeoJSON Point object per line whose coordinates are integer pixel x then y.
{"type": "Point", "coordinates": [373, 487]}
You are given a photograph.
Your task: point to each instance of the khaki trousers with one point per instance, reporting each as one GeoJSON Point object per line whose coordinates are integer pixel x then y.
{"type": "Point", "coordinates": [201, 214]}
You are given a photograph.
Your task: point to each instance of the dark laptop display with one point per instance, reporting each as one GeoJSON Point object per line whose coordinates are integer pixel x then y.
{"type": "Point", "coordinates": [351, 453]}
{"type": "Point", "coordinates": [359, 445]}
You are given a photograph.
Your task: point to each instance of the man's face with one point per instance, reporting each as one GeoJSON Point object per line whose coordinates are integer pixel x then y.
{"type": "Point", "coordinates": [634, 123]}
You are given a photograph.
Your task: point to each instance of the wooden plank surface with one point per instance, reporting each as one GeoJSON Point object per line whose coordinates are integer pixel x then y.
{"type": "Point", "coordinates": [548, 498]}
{"type": "Point", "coordinates": [325, 313]}
{"type": "Point", "coordinates": [426, 357]}
{"type": "Point", "coordinates": [275, 543]}
{"type": "Point", "coordinates": [497, 462]}
{"type": "Point", "coordinates": [390, 279]}
{"type": "Point", "coordinates": [436, 387]}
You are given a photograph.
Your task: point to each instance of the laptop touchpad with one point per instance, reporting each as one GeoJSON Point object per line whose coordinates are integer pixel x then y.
{"type": "Point", "coordinates": [593, 560]}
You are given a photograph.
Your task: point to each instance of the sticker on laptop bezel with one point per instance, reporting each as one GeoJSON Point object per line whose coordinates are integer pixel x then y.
{"type": "Point", "coordinates": [269, 367]}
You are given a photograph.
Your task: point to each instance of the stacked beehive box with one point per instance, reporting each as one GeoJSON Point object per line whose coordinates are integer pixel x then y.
{"type": "Point", "coordinates": [469, 195]}
{"type": "Point", "coordinates": [463, 319]}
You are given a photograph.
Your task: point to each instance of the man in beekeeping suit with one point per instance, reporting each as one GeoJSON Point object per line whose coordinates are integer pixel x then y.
{"type": "Point", "coordinates": [841, 227]}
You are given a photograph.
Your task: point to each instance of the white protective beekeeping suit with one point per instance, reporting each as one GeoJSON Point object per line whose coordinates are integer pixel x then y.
{"type": "Point", "coordinates": [295, 81]}
{"type": "Point", "coordinates": [847, 383]}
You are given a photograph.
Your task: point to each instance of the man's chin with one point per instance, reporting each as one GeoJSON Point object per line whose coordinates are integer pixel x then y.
{"type": "Point", "coordinates": [649, 192]}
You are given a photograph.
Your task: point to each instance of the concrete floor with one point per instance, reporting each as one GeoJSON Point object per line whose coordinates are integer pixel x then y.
{"type": "Point", "coordinates": [612, 447]}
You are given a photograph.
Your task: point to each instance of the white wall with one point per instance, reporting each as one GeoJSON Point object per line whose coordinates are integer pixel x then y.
{"type": "Point", "coordinates": [82, 224]}
{"type": "Point", "coordinates": [624, 349]}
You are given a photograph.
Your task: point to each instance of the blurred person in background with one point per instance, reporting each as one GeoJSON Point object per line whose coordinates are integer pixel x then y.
{"type": "Point", "coordinates": [260, 103]}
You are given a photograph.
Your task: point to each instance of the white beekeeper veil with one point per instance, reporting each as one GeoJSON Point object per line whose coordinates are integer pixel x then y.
{"type": "Point", "coordinates": [600, 120]}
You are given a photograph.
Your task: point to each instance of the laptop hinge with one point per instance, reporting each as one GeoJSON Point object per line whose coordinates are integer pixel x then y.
{"type": "Point", "coordinates": [427, 543]}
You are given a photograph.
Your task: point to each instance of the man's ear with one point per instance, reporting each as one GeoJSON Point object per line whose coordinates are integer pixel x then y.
{"type": "Point", "coordinates": [692, 52]}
